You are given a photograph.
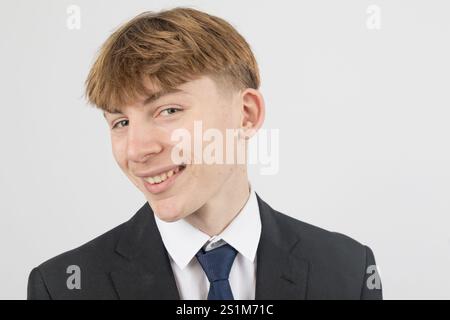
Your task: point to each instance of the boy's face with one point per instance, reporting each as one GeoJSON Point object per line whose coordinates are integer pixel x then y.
{"type": "Point", "coordinates": [142, 145]}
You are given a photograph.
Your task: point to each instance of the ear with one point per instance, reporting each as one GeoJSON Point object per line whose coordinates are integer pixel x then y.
{"type": "Point", "coordinates": [253, 112]}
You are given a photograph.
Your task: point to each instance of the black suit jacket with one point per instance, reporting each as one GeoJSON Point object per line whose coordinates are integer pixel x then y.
{"type": "Point", "coordinates": [295, 260]}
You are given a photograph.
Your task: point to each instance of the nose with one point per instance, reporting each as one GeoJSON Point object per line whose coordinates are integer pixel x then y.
{"type": "Point", "coordinates": [143, 142]}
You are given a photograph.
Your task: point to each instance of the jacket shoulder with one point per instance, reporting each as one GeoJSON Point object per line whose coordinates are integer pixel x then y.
{"type": "Point", "coordinates": [313, 239]}
{"type": "Point", "coordinates": [50, 279]}
{"type": "Point", "coordinates": [339, 265]}
{"type": "Point", "coordinates": [315, 236]}
{"type": "Point", "coordinates": [94, 250]}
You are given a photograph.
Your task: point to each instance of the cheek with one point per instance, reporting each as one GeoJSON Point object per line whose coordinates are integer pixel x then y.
{"type": "Point", "coordinates": [212, 176]}
{"type": "Point", "coordinates": [119, 152]}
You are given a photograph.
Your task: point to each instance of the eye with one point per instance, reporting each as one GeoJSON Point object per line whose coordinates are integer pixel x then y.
{"type": "Point", "coordinates": [169, 111]}
{"type": "Point", "coordinates": [120, 124]}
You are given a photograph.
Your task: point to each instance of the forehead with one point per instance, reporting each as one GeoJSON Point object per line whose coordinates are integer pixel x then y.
{"type": "Point", "coordinates": [196, 89]}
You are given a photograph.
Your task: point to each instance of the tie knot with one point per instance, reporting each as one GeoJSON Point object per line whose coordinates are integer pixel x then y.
{"type": "Point", "coordinates": [217, 262]}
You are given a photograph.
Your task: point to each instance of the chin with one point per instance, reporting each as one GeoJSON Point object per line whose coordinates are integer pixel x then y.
{"type": "Point", "coordinates": [167, 216]}
{"type": "Point", "coordinates": [166, 210]}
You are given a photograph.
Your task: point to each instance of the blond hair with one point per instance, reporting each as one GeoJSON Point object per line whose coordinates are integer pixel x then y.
{"type": "Point", "coordinates": [168, 48]}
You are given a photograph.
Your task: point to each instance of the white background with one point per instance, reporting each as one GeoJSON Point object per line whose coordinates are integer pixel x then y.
{"type": "Point", "coordinates": [363, 116]}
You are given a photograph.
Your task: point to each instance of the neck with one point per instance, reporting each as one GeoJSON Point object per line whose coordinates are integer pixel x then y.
{"type": "Point", "coordinates": [215, 215]}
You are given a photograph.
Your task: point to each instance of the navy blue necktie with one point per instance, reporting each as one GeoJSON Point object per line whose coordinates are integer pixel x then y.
{"type": "Point", "coordinates": [217, 265]}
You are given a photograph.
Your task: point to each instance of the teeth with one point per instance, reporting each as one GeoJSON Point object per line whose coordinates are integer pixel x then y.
{"type": "Point", "coordinates": [162, 177]}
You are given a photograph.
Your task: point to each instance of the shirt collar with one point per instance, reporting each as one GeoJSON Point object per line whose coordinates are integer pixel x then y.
{"type": "Point", "coordinates": [183, 241]}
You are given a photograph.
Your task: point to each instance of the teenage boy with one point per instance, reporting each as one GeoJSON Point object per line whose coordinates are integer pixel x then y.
{"type": "Point", "coordinates": [203, 233]}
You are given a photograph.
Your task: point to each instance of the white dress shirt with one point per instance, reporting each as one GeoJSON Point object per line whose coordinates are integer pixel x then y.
{"type": "Point", "coordinates": [183, 241]}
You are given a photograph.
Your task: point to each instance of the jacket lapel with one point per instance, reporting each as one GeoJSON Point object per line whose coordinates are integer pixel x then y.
{"type": "Point", "coordinates": [281, 273]}
{"type": "Point", "coordinates": [147, 273]}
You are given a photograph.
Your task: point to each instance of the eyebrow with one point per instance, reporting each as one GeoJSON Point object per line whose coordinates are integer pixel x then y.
{"type": "Point", "coordinates": [159, 94]}
{"type": "Point", "coordinates": [151, 98]}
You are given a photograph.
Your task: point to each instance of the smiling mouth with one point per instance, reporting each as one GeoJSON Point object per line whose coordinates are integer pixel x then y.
{"type": "Point", "coordinates": [160, 178]}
